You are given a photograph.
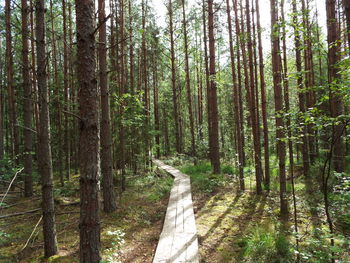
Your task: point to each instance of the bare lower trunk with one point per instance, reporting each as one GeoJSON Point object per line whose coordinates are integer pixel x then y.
{"type": "Point", "coordinates": [89, 147]}
{"type": "Point", "coordinates": [27, 110]}
{"type": "Point", "coordinates": [109, 200]}
{"type": "Point", "coordinates": [215, 148]}
{"type": "Point", "coordinates": [44, 148]}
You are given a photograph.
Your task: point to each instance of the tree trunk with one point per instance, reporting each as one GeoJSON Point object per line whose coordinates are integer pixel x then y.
{"type": "Point", "coordinates": [263, 100]}
{"type": "Point", "coordinates": [10, 85]}
{"type": "Point", "coordinates": [173, 79]}
{"type": "Point", "coordinates": [336, 104]}
{"type": "Point", "coordinates": [66, 91]}
{"type": "Point", "coordinates": [89, 147]}
{"type": "Point", "coordinates": [215, 148]}
{"type": "Point", "coordinates": [301, 95]}
{"type": "Point", "coordinates": [44, 148]}
{"type": "Point", "coordinates": [252, 102]}
{"type": "Point", "coordinates": [27, 109]}
{"type": "Point", "coordinates": [109, 200]}
{"type": "Point", "coordinates": [277, 86]}
{"type": "Point", "coordinates": [188, 81]}
{"type": "Point", "coordinates": [239, 147]}
{"type": "Point", "coordinates": [346, 4]}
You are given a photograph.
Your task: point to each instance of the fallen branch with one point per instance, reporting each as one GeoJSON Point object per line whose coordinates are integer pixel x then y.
{"type": "Point", "coordinates": [8, 189]}
{"type": "Point", "coordinates": [26, 244]}
{"type": "Point", "coordinates": [20, 213]}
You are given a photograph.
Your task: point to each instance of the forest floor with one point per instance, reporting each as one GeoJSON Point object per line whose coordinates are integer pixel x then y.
{"type": "Point", "coordinates": [130, 234]}
{"type": "Point", "coordinates": [232, 226]}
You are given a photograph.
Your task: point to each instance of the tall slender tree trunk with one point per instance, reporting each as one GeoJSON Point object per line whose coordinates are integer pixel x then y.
{"type": "Point", "coordinates": [206, 64]}
{"type": "Point", "coordinates": [239, 75]}
{"type": "Point", "coordinates": [215, 148]}
{"type": "Point", "coordinates": [156, 106]}
{"type": "Point", "coordinates": [66, 91]}
{"type": "Point", "coordinates": [277, 86]}
{"type": "Point", "coordinates": [44, 148]}
{"type": "Point", "coordinates": [109, 200]}
{"type": "Point", "coordinates": [252, 101]}
{"type": "Point", "coordinates": [173, 79]}
{"type": "Point", "coordinates": [346, 4]}
{"type": "Point", "coordinates": [301, 94]}
{"type": "Point", "coordinates": [336, 104]}
{"type": "Point", "coordinates": [10, 84]}
{"type": "Point", "coordinates": [188, 81]}
{"type": "Point", "coordinates": [27, 110]}
{"type": "Point", "coordinates": [239, 147]}
{"type": "Point", "coordinates": [89, 146]}
{"type": "Point", "coordinates": [263, 100]}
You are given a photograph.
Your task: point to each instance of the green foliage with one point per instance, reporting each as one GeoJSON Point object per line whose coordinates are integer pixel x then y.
{"type": "Point", "coordinates": [116, 241]}
{"type": "Point", "coordinates": [4, 238]}
{"type": "Point", "coordinates": [264, 245]}
{"type": "Point", "coordinates": [8, 168]}
{"type": "Point", "coordinates": [201, 177]}
{"type": "Point", "coordinates": [70, 188]}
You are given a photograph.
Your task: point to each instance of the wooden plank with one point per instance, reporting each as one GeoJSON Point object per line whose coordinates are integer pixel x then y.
{"type": "Point", "coordinates": [178, 241]}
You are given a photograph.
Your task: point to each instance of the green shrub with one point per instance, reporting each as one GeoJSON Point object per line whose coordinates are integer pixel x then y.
{"type": "Point", "coordinates": [264, 245]}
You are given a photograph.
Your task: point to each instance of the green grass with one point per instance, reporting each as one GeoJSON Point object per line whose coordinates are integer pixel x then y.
{"type": "Point", "coordinates": [201, 177]}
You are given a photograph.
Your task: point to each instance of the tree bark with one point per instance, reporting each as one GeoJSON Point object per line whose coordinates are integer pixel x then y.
{"type": "Point", "coordinates": [346, 4]}
{"type": "Point", "coordinates": [277, 86]}
{"type": "Point", "coordinates": [239, 147]}
{"type": "Point", "coordinates": [44, 148]}
{"type": "Point", "coordinates": [253, 109]}
{"type": "Point", "coordinates": [263, 100]}
{"type": "Point", "coordinates": [301, 95]}
{"type": "Point", "coordinates": [188, 81]}
{"type": "Point", "coordinates": [10, 85]}
{"type": "Point", "coordinates": [336, 104]}
{"type": "Point", "coordinates": [89, 146]}
{"type": "Point", "coordinates": [173, 79]}
{"type": "Point", "coordinates": [215, 148]}
{"type": "Point", "coordinates": [109, 200]}
{"type": "Point", "coordinates": [27, 109]}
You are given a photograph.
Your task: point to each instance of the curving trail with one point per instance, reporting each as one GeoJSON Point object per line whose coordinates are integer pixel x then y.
{"type": "Point", "coordinates": [178, 241]}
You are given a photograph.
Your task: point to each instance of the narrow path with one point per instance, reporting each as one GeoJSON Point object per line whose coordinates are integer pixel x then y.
{"type": "Point", "coordinates": [178, 241]}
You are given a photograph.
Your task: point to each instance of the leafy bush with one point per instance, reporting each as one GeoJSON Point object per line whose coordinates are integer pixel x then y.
{"type": "Point", "coordinates": [264, 245]}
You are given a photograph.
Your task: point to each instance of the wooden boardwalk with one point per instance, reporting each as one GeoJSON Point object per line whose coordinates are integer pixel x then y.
{"type": "Point", "coordinates": [178, 241]}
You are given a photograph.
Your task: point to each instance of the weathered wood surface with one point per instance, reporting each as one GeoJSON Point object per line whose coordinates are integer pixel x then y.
{"type": "Point", "coordinates": [178, 241]}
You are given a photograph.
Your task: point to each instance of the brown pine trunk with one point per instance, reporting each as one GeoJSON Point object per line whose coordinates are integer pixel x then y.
{"type": "Point", "coordinates": [188, 81]}
{"type": "Point", "coordinates": [57, 101]}
{"type": "Point", "coordinates": [252, 103]}
{"type": "Point", "coordinates": [239, 146]}
{"type": "Point", "coordinates": [131, 50]}
{"type": "Point", "coordinates": [206, 64]}
{"type": "Point", "coordinates": [44, 148]}
{"type": "Point", "coordinates": [27, 109]}
{"type": "Point", "coordinates": [33, 68]}
{"type": "Point", "coordinates": [173, 79]}
{"type": "Point", "coordinates": [2, 133]}
{"type": "Point", "coordinates": [346, 4]}
{"type": "Point", "coordinates": [336, 104]}
{"type": "Point", "coordinates": [239, 75]}
{"type": "Point", "coordinates": [277, 86]}
{"type": "Point", "coordinates": [10, 85]}
{"type": "Point", "coordinates": [214, 135]}
{"type": "Point", "coordinates": [301, 95]}
{"type": "Point", "coordinates": [66, 95]}
{"type": "Point", "coordinates": [263, 100]}
{"type": "Point", "coordinates": [89, 151]}
{"type": "Point", "coordinates": [109, 200]}
{"type": "Point", "coordinates": [308, 77]}
{"type": "Point", "coordinates": [156, 106]}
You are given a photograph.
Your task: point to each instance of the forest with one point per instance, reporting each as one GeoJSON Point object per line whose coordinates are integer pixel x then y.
{"type": "Point", "coordinates": [175, 131]}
